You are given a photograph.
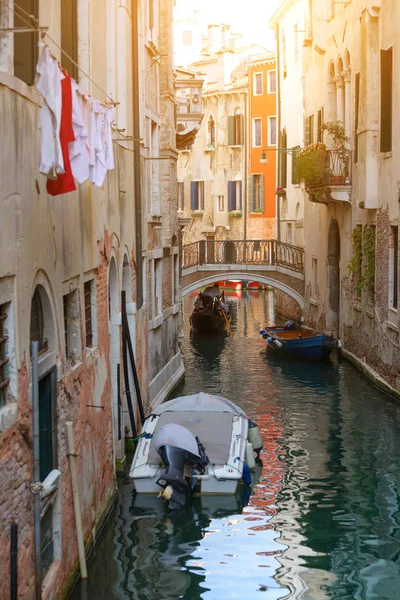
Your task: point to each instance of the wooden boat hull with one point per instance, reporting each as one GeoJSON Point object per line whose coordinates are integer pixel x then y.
{"type": "Point", "coordinates": [208, 323]}
{"type": "Point", "coordinates": [300, 344]}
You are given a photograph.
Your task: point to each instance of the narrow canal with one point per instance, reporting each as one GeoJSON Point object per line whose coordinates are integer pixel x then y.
{"type": "Point", "coordinates": [323, 518]}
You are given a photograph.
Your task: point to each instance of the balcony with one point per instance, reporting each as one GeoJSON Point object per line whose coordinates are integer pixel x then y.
{"type": "Point", "coordinates": [335, 184]}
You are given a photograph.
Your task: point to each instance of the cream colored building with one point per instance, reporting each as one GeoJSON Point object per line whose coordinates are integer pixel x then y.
{"type": "Point", "coordinates": [348, 64]}
{"type": "Point", "coordinates": [64, 261]}
{"type": "Point", "coordinates": [213, 169]}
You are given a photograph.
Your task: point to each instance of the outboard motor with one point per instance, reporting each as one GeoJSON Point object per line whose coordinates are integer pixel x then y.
{"type": "Point", "coordinates": [255, 438]}
{"type": "Point", "coordinates": [177, 446]}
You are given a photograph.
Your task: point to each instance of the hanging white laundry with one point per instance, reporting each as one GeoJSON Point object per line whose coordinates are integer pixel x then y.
{"type": "Point", "coordinates": [97, 164]}
{"type": "Point", "coordinates": [48, 83]}
{"type": "Point", "coordinates": [79, 148]}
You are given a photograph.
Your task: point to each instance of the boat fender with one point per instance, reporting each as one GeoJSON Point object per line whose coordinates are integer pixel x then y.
{"type": "Point", "coordinates": [255, 438]}
{"type": "Point", "coordinates": [270, 340]}
{"type": "Point", "coordinates": [251, 463]}
{"type": "Point", "coordinates": [262, 331]}
{"type": "Point", "coordinates": [277, 344]}
{"type": "Point", "coordinates": [246, 476]}
{"type": "Point", "coordinates": [339, 344]}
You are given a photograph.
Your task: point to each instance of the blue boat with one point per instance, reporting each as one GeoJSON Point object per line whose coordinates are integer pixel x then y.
{"type": "Point", "coordinates": [299, 342]}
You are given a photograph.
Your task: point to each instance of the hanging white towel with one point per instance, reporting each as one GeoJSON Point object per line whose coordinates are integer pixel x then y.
{"type": "Point", "coordinates": [48, 83]}
{"type": "Point", "coordinates": [79, 149]}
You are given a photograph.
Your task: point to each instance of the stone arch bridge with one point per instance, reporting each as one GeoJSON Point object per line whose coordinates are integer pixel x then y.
{"type": "Point", "coordinates": [270, 262]}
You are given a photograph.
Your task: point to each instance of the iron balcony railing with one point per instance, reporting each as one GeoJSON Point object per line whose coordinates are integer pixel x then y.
{"type": "Point", "coordinates": [338, 169]}
{"type": "Point", "coordinates": [267, 253]}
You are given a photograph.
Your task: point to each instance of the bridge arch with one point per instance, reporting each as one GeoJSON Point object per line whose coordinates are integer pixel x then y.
{"type": "Point", "coordinates": [221, 275]}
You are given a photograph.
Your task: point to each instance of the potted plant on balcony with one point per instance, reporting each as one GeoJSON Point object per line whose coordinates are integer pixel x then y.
{"type": "Point", "coordinates": [311, 164]}
{"type": "Point", "coordinates": [281, 191]}
{"type": "Point", "coordinates": [339, 154]}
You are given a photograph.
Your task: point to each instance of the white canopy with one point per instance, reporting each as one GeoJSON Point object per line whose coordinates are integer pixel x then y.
{"type": "Point", "coordinates": [199, 402]}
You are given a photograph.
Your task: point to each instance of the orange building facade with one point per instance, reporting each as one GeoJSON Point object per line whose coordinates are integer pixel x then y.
{"type": "Point", "coordinates": [263, 135]}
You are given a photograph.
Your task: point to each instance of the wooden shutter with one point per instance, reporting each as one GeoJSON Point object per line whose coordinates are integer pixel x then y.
{"type": "Point", "coordinates": [194, 195]}
{"type": "Point", "coordinates": [262, 192]}
{"type": "Point", "coordinates": [239, 205]}
{"type": "Point", "coordinates": [311, 118]}
{"type": "Point", "coordinates": [239, 132]}
{"type": "Point", "coordinates": [356, 113]}
{"type": "Point", "coordinates": [202, 195]}
{"type": "Point", "coordinates": [252, 193]}
{"type": "Point", "coordinates": [386, 100]}
{"type": "Point", "coordinates": [306, 131]}
{"type": "Point", "coordinates": [283, 158]}
{"type": "Point", "coordinates": [320, 121]}
{"type": "Point", "coordinates": [231, 131]}
{"type": "Point", "coordinates": [295, 180]}
{"type": "Point", "coordinates": [231, 195]}
{"type": "Point", "coordinates": [69, 36]}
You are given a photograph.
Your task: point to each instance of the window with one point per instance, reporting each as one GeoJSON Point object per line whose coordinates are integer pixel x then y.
{"type": "Point", "coordinates": [271, 82]}
{"type": "Point", "coordinates": [356, 113]}
{"type": "Point", "coordinates": [257, 84]}
{"type": "Point", "coordinates": [220, 203]}
{"type": "Point", "coordinates": [175, 278]}
{"type": "Point", "coordinates": [235, 129]}
{"type": "Point", "coordinates": [320, 122]}
{"type": "Point", "coordinates": [88, 290]}
{"type": "Point", "coordinates": [211, 132]}
{"type": "Point", "coordinates": [25, 44]}
{"type": "Point", "coordinates": [257, 133]}
{"type": "Point", "coordinates": [289, 234]}
{"type": "Point", "coordinates": [187, 38]}
{"type": "Point", "coordinates": [283, 160]}
{"type": "Point", "coordinates": [197, 195]}
{"type": "Point", "coordinates": [234, 195]}
{"type": "Point", "coordinates": [72, 333]}
{"type": "Point", "coordinates": [4, 360]}
{"type": "Point", "coordinates": [393, 267]}
{"type": "Point", "coordinates": [271, 131]}
{"type": "Point", "coordinates": [157, 303]}
{"type": "Point", "coordinates": [37, 327]}
{"type": "Point", "coordinates": [309, 130]}
{"type": "Point", "coordinates": [314, 282]}
{"type": "Point", "coordinates": [181, 195]}
{"type": "Point", "coordinates": [153, 168]}
{"type": "Point", "coordinates": [69, 36]}
{"type": "Point", "coordinates": [256, 193]}
{"type": "Point", "coordinates": [386, 99]}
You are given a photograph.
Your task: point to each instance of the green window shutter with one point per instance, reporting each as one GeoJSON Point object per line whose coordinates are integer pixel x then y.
{"type": "Point", "coordinates": [231, 131]}
{"type": "Point", "coordinates": [262, 188]}
{"type": "Point", "coordinates": [283, 157]}
{"type": "Point", "coordinates": [252, 193]}
{"type": "Point", "coordinates": [240, 132]}
{"type": "Point", "coordinates": [295, 180]}
{"type": "Point", "coordinates": [306, 131]}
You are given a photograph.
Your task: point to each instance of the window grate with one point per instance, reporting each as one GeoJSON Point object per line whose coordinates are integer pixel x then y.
{"type": "Point", "coordinates": [4, 380]}
{"type": "Point", "coordinates": [88, 313]}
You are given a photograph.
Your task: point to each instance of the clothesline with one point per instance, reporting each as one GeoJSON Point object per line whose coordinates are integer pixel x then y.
{"type": "Point", "coordinates": [44, 34]}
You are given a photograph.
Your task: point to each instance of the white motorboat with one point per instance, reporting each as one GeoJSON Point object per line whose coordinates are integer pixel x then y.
{"type": "Point", "coordinates": [194, 444]}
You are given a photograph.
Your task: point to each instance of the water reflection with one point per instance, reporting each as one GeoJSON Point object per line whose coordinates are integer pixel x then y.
{"type": "Point", "coordinates": [323, 519]}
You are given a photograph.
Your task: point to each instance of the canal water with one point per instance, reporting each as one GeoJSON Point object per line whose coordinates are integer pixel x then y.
{"type": "Point", "coordinates": [322, 517]}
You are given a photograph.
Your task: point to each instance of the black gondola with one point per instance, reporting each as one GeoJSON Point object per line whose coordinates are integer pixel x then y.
{"type": "Point", "coordinates": [211, 313]}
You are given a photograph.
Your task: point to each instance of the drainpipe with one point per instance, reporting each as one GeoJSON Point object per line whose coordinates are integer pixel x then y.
{"type": "Point", "coordinates": [278, 129]}
{"type": "Point", "coordinates": [36, 470]}
{"type": "Point", "coordinates": [245, 164]}
{"type": "Point", "coordinates": [136, 153]}
{"type": "Point", "coordinates": [77, 504]}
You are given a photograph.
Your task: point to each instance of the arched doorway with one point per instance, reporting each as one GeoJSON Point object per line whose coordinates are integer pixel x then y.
{"type": "Point", "coordinates": [43, 331]}
{"type": "Point", "coordinates": [114, 318]}
{"type": "Point", "coordinates": [333, 278]}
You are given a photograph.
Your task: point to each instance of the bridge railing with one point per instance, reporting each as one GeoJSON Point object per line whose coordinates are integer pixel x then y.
{"type": "Point", "coordinates": [251, 252]}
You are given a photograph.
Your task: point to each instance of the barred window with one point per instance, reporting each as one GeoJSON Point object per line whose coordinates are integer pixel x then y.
{"type": "Point", "coordinates": [4, 380]}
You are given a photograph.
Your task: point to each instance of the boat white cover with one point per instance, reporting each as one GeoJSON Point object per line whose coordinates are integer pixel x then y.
{"type": "Point", "coordinates": [200, 402]}
{"type": "Point", "coordinates": [176, 435]}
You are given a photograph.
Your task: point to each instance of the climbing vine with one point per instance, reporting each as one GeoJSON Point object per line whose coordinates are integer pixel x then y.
{"type": "Point", "coordinates": [362, 262]}
{"type": "Point", "coordinates": [355, 263]}
{"type": "Point", "coordinates": [369, 252]}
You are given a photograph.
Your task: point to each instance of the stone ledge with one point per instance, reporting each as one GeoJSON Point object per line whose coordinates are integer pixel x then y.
{"type": "Point", "coordinates": [372, 375]}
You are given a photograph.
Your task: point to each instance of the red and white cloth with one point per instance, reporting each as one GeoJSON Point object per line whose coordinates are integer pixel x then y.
{"type": "Point", "coordinates": [76, 135]}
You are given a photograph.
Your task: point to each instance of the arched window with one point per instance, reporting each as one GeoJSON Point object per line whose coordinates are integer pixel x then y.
{"type": "Point", "coordinates": [36, 332]}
